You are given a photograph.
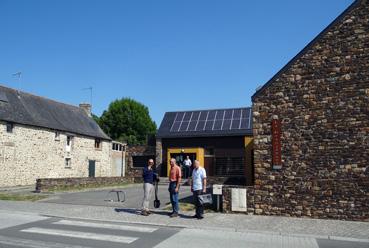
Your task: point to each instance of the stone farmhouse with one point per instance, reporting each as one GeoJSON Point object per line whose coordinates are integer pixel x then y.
{"type": "Point", "coordinates": [42, 138]}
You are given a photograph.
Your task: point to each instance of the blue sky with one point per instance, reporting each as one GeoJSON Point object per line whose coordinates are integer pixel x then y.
{"type": "Point", "coordinates": [170, 55]}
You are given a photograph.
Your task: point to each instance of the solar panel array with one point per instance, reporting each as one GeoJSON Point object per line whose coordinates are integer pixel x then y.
{"type": "Point", "coordinates": [211, 120]}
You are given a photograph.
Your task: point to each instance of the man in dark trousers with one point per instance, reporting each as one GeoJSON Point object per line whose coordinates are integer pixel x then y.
{"type": "Point", "coordinates": [198, 187]}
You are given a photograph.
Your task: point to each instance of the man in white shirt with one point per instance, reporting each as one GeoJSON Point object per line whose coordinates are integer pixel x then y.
{"type": "Point", "coordinates": [187, 167]}
{"type": "Point", "coordinates": [198, 187]}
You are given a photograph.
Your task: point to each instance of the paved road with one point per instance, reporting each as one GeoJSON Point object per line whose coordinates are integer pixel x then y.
{"type": "Point", "coordinates": [134, 194]}
{"type": "Point", "coordinates": [27, 230]}
{"type": "Point", "coordinates": [40, 232]}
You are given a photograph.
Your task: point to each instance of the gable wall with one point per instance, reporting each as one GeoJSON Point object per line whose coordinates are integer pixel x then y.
{"type": "Point", "coordinates": [323, 103]}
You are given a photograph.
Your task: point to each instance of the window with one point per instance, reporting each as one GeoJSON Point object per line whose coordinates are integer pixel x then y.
{"type": "Point", "coordinates": [68, 163]}
{"type": "Point", "coordinates": [117, 147]}
{"type": "Point", "coordinates": [141, 161]}
{"type": "Point", "coordinates": [97, 143]}
{"type": "Point", "coordinates": [57, 136]}
{"type": "Point", "coordinates": [230, 166]}
{"type": "Point", "coordinates": [68, 146]}
{"type": "Point", "coordinates": [9, 127]}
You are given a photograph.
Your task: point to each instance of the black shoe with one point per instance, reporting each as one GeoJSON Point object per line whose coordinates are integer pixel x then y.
{"type": "Point", "coordinates": [200, 217]}
{"type": "Point", "coordinates": [194, 216]}
{"type": "Point", "coordinates": [173, 215]}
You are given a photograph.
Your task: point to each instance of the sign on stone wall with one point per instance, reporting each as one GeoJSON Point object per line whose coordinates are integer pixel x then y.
{"type": "Point", "coordinates": [239, 202]}
{"type": "Point", "coordinates": [276, 144]}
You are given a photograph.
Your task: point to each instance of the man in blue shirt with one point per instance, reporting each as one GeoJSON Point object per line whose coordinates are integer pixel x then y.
{"type": "Point", "coordinates": [149, 177]}
{"type": "Point", "coordinates": [198, 187]}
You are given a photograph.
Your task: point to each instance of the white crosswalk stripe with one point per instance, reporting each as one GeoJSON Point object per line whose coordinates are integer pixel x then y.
{"type": "Point", "coordinates": [19, 242]}
{"type": "Point", "coordinates": [121, 227]}
{"type": "Point", "coordinates": [81, 235]}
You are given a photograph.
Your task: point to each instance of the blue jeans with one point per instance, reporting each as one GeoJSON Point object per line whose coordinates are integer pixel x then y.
{"type": "Point", "coordinates": [173, 196]}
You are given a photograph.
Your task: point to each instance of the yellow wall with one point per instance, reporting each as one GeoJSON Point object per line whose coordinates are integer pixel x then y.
{"type": "Point", "coordinates": [249, 144]}
{"type": "Point", "coordinates": [198, 150]}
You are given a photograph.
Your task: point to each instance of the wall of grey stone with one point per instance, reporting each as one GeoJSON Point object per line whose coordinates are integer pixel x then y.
{"type": "Point", "coordinates": [137, 151]}
{"type": "Point", "coordinates": [29, 153]}
{"type": "Point", "coordinates": [323, 103]}
{"type": "Point", "coordinates": [50, 184]}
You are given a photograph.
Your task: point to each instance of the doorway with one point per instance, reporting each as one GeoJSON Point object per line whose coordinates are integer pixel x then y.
{"type": "Point", "coordinates": [180, 158]}
{"type": "Point", "coordinates": [91, 168]}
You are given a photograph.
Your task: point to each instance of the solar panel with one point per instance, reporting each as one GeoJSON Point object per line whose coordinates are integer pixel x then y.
{"type": "Point", "coordinates": [179, 116]}
{"type": "Point", "coordinates": [236, 124]}
{"type": "Point", "coordinates": [200, 126]}
{"type": "Point", "coordinates": [209, 125]}
{"type": "Point", "coordinates": [192, 126]}
{"type": "Point", "coordinates": [203, 115]}
{"type": "Point", "coordinates": [175, 126]}
{"type": "Point", "coordinates": [228, 114]}
{"type": "Point", "coordinates": [226, 125]}
{"type": "Point", "coordinates": [195, 116]}
{"type": "Point", "coordinates": [211, 115]}
{"type": "Point", "coordinates": [212, 120]}
{"type": "Point", "coordinates": [184, 126]}
{"type": "Point", "coordinates": [187, 116]}
{"type": "Point", "coordinates": [244, 123]}
{"type": "Point", "coordinates": [236, 114]}
{"type": "Point", "coordinates": [218, 125]}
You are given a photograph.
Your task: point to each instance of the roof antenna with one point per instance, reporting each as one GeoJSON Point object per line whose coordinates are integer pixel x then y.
{"type": "Point", "coordinates": [90, 89]}
{"type": "Point", "coordinates": [18, 75]}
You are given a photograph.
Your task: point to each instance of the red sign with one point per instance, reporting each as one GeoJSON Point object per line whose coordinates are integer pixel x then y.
{"type": "Point", "coordinates": [276, 144]}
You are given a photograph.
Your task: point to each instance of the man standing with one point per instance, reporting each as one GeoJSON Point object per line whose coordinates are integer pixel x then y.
{"type": "Point", "coordinates": [187, 167]}
{"type": "Point", "coordinates": [175, 176]}
{"type": "Point", "coordinates": [149, 177]}
{"type": "Point", "coordinates": [198, 186]}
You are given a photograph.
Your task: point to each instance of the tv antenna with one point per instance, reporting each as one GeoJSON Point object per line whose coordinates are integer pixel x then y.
{"type": "Point", "coordinates": [90, 89]}
{"type": "Point", "coordinates": [18, 75]}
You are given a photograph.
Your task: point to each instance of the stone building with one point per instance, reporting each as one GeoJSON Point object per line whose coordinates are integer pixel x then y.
{"type": "Point", "coordinates": [311, 127]}
{"type": "Point", "coordinates": [221, 139]}
{"type": "Point", "coordinates": [42, 138]}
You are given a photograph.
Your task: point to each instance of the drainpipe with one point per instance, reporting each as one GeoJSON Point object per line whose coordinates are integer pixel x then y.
{"type": "Point", "coordinates": [123, 171]}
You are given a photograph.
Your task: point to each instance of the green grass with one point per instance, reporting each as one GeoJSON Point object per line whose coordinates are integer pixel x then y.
{"type": "Point", "coordinates": [21, 197]}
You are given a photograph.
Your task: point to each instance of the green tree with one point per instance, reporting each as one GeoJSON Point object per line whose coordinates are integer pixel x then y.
{"type": "Point", "coordinates": [127, 120]}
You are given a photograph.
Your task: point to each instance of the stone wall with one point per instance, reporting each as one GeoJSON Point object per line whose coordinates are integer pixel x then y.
{"type": "Point", "coordinates": [137, 151]}
{"type": "Point", "coordinates": [322, 100]}
{"type": "Point", "coordinates": [50, 184]}
{"type": "Point", "coordinates": [29, 153]}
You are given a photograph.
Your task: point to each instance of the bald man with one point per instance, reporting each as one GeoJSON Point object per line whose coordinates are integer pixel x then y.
{"type": "Point", "coordinates": [175, 176]}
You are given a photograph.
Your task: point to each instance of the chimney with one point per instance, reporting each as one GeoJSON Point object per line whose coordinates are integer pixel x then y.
{"type": "Point", "coordinates": [86, 107]}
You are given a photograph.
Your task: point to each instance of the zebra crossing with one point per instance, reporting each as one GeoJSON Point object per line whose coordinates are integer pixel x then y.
{"type": "Point", "coordinates": [62, 233]}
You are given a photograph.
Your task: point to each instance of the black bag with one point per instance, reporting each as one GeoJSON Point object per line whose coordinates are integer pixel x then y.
{"type": "Point", "coordinates": [156, 201]}
{"type": "Point", "coordinates": [205, 199]}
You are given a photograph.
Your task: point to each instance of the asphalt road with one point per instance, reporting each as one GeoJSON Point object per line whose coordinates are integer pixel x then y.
{"type": "Point", "coordinates": [133, 193]}
{"type": "Point", "coordinates": [27, 230]}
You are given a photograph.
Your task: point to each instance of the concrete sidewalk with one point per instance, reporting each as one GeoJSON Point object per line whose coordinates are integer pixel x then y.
{"type": "Point", "coordinates": [286, 226]}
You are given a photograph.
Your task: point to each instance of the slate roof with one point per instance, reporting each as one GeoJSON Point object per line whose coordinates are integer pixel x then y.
{"type": "Point", "coordinates": [23, 108]}
{"type": "Point", "coordinates": [206, 123]}
{"type": "Point", "coordinates": [308, 46]}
